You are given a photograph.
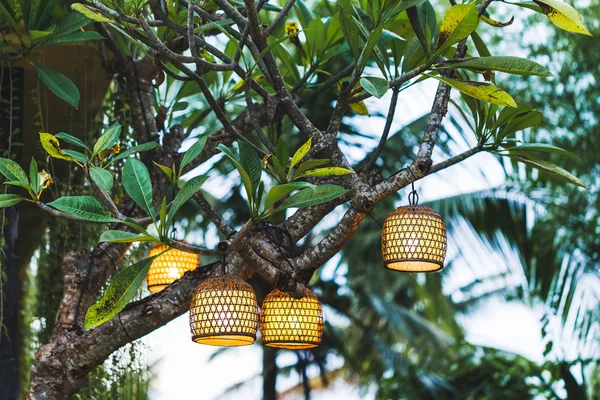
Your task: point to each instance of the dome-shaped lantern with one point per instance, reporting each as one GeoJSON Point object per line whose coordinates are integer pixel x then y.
{"type": "Point", "coordinates": [414, 240]}
{"type": "Point", "coordinates": [289, 323]}
{"type": "Point", "coordinates": [224, 312]}
{"type": "Point", "coordinates": [169, 266]}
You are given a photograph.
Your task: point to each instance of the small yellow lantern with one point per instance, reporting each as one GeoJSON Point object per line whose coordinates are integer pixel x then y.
{"type": "Point", "coordinates": [168, 267]}
{"type": "Point", "coordinates": [289, 323]}
{"type": "Point", "coordinates": [224, 312]}
{"type": "Point", "coordinates": [414, 240]}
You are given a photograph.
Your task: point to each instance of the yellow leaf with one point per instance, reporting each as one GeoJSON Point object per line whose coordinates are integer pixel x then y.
{"type": "Point", "coordinates": [495, 23]}
{"type": "Point", "coordinates": [301, 152]}
{"type": "Point", "coordinates": [45, 181]}
{"type": "Point", "coordinates": [89, 13]}
{"type": "Point", "coordinates": [328, 171]}
{"type": "Point", "coordinates": [563, 15]}
{"type": "Point", "coordinates": [482, 91]}
{"type": "Point", "coordinates": [359, 108]}
{"type": "Point", "coordinates": [458, 23]}
{"type": "Point", "coordinates": [52, 146]}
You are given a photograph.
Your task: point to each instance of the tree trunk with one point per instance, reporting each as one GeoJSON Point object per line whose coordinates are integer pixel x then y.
{"type": "Point", "coordinates": [269, 373]}
{"type": "Point", "coordinates": [11, 87]}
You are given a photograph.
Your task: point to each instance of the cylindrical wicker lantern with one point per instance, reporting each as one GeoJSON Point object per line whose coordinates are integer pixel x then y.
{"type": "Point", "coordinates": [289, 323]}
{"type": "Point", "coordinates": [414, 240]}
{"type": "Point", "coordinates": [224, 312]}
{"type": "Point", "coordinates": [169, 267]}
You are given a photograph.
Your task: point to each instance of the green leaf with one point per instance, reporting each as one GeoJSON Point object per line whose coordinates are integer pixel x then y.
{"type": "Point", "coordinates": [122, 289]}
{"type": "Point", "coordinates": [13, 171]}
{"type": "Point", "coordinates": [278, 192]}
{"type": "Point", "coordinates": [329, 171]}
{"type": "Point", "coordinates": [368, 49]}
{"type": "Point", "coordinates": [138, 185]}
{"type": "Point", "coordinates": [8, 200]}
{"type": "Point", "coordinates": [247, 182]}
{"type": "Point", "coordinates": [482, 91]}
{"type": "Point", "coordinates": [102, 177]}
{"type": "Point", "coordinates": [167, 171]}
{"type": "Point", "coordinates": [135, 149]}
{"type": "Point", "coordinates": [282, 153]}
{"type": "Point", "coordinates": [480, 45]}
{"type": "Point", "coordinates": [108, 138]}
{"type": "Point", "coordinates": [539, 148]}
{"type": "Point", "coordinates": [186, 193]}
{"type": "Point", "coordinates": [193, 152]}
{"type": "Point", "coordinates": [89, 13]}
{"type": "Point", "coordinates": [124, 237]}
{"type": "Point", "coordinates": [252, 163]}
{"type": "Point", "coordinates": [34, 176]}
{"type": "Point", "coordinates": [76, 155]}
{"type": "Point", "coordinates": [375, 86]}
{"type": "Point", "coordinates": [312, 196]}
{"type": "Point", "coordinates": [37, 13]}
{"type": "Point", "coordinates": [550, 168]}
{"type": "Point", "coordinates": [69, 38]}
{"type": "Point", "coordinates": [71, 139]}
{"type": "Point", "coordinates": [310, 164]}
{"type": "Point", "coordinates": [458, 23]}
{"type": "Point", "coordinates": [59, 84]}
{"type": "Point", "coordinates": [86, 207]}
{"type": "Point", "coordinates": [511, 65]}
{"type": "Point", "coordinates": [301, 152]}
{"type": "Point", "coordinates": [563, 16]}
{"type": "Point", "coordinates": [350, 28]}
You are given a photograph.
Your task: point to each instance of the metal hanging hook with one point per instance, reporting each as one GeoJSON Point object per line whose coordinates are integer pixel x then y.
{"type": "Point", "coordinates": [413, 196]}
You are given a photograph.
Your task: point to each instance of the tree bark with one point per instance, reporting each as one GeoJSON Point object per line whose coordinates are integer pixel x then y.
{"type": "Point", "coordinates": [269, 373]}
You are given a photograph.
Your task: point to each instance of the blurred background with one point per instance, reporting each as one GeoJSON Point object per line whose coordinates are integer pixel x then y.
{"type": "Point", "coordinates": [514, 314]}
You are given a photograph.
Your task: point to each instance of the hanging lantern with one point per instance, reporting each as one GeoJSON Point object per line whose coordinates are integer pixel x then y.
{"type": "Point", "coordinates": [414, 240]}
{"type": "Point", "coordinates": [224, 312]}
{"type": "Point", "coordinates": [289, 323]}
{"type": "Point", "coordinates": [169, 266]}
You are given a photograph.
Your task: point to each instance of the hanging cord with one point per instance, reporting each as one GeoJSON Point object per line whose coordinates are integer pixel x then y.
{"type": "Point", "coordinates": [124, 330]}
{"type": "Point", "coordinates": [224, 269]}
{"type": "Point", "coordinates": [413, 196]}
{"type": "Point", "coordinates": [139, 95]}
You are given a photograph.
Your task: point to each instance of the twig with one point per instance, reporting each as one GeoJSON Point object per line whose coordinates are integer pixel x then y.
{"type": "Point", "coordinates": [211, 213]}
{"type": "Point", "coordinates": [386, 129]}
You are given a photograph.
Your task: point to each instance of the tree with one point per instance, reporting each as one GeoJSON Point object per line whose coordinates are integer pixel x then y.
{"type": "Point", "coordinates": [264, 77]}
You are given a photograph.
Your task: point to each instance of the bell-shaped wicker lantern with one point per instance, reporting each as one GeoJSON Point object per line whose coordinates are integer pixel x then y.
{"type": "Point", "coordinates": [224, 312]}
{"type": "Point", "coordinates": [414, 240]}
{"type": "Point", "coordinates": [169, 266]}
{"type": "Point", "coordinates": [289, 323]}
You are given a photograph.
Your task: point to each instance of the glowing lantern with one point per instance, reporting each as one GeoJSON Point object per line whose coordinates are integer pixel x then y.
{"type": "Point", "coordinates": [289, 323]}
{"type": "Point", "coordinates": [224, 312]}
{"type": "Point", "coordinates": [414, 240]}
{"type": "Point", "coordinates": [169, 267]}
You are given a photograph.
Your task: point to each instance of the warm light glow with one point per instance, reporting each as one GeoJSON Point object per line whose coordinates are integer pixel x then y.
{"type": "Point", "coordinates": [224, 312]}
{"type": "Point", "coordinates": [289, 323]}
{"type": "Point", "coordinates": [414, 240]}
{"type": "Point", "coordinates": [169, 267]}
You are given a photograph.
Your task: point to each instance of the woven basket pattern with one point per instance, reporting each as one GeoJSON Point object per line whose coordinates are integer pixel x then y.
{"type": "Point", "coordinates": [224, 312]}
{"type": "Point", "coordinates": [414, 240]}
{"type": "Point", "coordinates": [290, 323]}
{"type": "Point", "coordinates": [169, 267]}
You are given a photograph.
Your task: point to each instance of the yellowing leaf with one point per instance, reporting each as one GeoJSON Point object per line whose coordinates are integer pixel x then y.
{"type": "Point", "coordinates": [458, 23]}
{"type": "Point", "coordinates": [328, 171]}
{"type": "Point", "coordinates": [301, 152]}
{"type": "Point", "coordinates": [482, 91]}
{"type": "Point", "coordinates": [563, 16]}
{"type": "Point", "coordinates": [52, 146]}
{"type": "Point", "coordinates": [495, 23]}
{"type": "Point", "coordinates": [359, 108]}
{"type": "Point", "coordinates": [89, 13]}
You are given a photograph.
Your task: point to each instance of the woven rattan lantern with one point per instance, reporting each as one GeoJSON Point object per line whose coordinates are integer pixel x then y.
{"type": "Point", "coordinates": [289, 323]}
{"type": "Point", "coordinates": [169, 266]}
{"type": "Point", "coordinates": [224, 312]}
{"type": "Point", "coordinates": [414, 240]}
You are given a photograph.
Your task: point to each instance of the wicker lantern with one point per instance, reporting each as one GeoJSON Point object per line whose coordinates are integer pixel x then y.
{"type": "Point", "coordinates": [289, 323]}
{"type": "Point", "coordinates": [224, 312]}
{"type": "Point", "coordinates": [414, 240]}
{"type": "Point", "coordinates": [169, 267]}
